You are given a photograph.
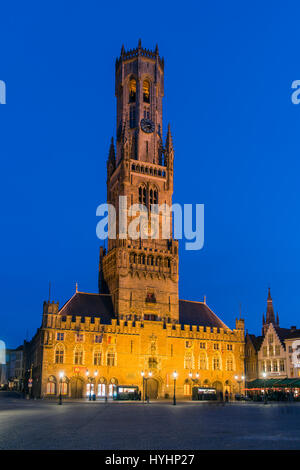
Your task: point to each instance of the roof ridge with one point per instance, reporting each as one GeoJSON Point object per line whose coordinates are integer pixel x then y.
{"type": "Point", "coordinates": [93, 293]}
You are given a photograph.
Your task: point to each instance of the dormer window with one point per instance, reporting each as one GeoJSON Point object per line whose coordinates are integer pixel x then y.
{"type": "Point", "coordinates": [132, 90]}
{"type": "Point", "coordinates": [146, 91]}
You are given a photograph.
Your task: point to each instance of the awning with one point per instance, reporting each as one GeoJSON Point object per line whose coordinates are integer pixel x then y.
{"type": "Point", "coordinates": [273, 383]}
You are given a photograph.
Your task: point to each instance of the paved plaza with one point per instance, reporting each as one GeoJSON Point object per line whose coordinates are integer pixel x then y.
{"type": "Point", "coordinates": [41, 424]}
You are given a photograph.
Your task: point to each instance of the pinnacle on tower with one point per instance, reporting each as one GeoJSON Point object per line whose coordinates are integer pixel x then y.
{"type": "Point", "coordinates": [111, 155]}
{"type": "Point", "coordinates": [169, 141]}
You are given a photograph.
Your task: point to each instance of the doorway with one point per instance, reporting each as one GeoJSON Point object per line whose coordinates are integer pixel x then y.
{"type": "Point", "coordinates": [152, 388]}
{"type": "Point", "coordinates": [76, 387]}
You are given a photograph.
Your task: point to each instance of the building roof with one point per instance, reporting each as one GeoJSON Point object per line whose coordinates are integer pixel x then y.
{"type": "Point", "coordinates": [198, 313]}
{"type": "Point", "coordinates": [91, 305]}
{"type": "Point", "coordinates": [256, 341]}
{"type": "Point", "coordinates": [293, 334]}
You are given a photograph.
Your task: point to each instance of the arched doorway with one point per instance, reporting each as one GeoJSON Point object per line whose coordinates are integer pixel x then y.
{"type": "Point", "coordinates": [152, 388]}
{"type": "Point", "coordinates": [77, 387]}
{"type": "Point", "coordinates": [219, 388]}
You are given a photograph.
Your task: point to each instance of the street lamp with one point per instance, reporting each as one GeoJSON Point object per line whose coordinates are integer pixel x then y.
{"type": "Point", "coordinates": [239, 381]}
{"type": "Point", "coordinates": [89, 381]}
{"type": "Point", "coordinates": [61, 375]}
{"type": "Point", "coordinates": [94, 394]}
{"type": "Point", "coordinates": [143, 376]}
{"type": "Point", "coordinates": [175, 375]}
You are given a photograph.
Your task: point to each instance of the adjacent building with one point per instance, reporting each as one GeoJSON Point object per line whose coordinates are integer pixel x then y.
{"type": "Point", "coordinates": [275, 355]}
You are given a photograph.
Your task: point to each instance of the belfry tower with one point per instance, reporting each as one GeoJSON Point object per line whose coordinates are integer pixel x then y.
{"type": "Point", "coordinates": [141, 273]}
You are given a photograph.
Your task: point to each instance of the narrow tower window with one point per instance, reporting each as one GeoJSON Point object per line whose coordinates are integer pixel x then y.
{"type": "Point", "coordinates": [146, 91]}
{"type": "Point", "coordinates": [132, 90]}
{"type": "Point", "coordinates": [132, 117]}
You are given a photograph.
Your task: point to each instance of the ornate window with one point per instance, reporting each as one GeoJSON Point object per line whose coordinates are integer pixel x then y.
{"type": "Point", "coordinates": [216, 363]}
{"type": "Point", "coordinates": [142, 195]}
{"type": "Point", "coordinates": [51, 385]}
{"type": "Point", "coordinates": [59, 354]}
{"type": "Point", "coordinates": [132, 90]}
{"type": "Point", "coordinates": [188, 361]}
{"type": "Point", "coordinates": [146, 91]}
{"type": "Point", "coordinates": [78, 356]}
{"type": "Point", "coordinates": [97, 358]}
{"type": "Point", "coordinates": [229, 364]}
{"type": "Point", "coordinates": [111, 359]}
{"type": "Point", "coordinates": [202, 362]}
{"type": "Point", "coordinates": [152, 363]}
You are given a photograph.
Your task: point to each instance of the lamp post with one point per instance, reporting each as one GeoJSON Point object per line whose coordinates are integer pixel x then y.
{"type": "Point", "coordinates": [149, 376]}
{"type": "Point", "coordinates": [61, 375]}
{"type": "Point", "coordinates": [175, 375]}
{"type": "Point", "coordinates": [239, 381]}
{"type": "Point", "coordinates": [89, 381]}
{"type": "Point", "coordinates": [265, 391]}
{"type": "Point", "coordinates": [94, 394]}
{"type": "Point", "coordinates": [143, 374]}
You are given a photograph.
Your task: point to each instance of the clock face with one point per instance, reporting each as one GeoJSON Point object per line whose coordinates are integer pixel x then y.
{"type": "Point", "coordinates": [147, 126]}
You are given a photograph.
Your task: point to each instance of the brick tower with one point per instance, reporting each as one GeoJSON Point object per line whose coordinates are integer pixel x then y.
{"type": "Point", "coordinates": [141, 274]}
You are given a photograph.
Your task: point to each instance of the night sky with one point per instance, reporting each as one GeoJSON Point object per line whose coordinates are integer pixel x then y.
{"type": "Point", "coordinates": [229, 67]}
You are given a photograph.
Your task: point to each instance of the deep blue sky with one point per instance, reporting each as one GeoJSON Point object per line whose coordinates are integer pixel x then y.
{"type": "Point", "coordinates": [228, 73]}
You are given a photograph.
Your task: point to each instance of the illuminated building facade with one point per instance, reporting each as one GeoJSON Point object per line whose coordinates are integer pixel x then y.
{"type": "Point", "coordinates": [136, 330]}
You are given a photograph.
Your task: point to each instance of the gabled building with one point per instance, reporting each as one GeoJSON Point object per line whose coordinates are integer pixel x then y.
{"type": "Point", "coordinates": [271, 355]}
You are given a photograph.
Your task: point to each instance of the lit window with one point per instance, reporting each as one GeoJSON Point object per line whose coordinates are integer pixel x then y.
{"type": "Point", "coordinates": [59, 355]}
{"type": "Point", "coordinates": [146, 91]}
{"type": "Point", "coordinates": [202, 362]}
{"type": "Point", "coordinates": [51, 386]}
{"type": "Point", "coordinates": [97, 358]}
{"type": "Point", "coordinates": [216, 363]}
{"type": "Point", "coordinates": [132, 90]}
{"type": "Point", "coordinates": [111, 359]}
{"type": "Point", "coordinates": [78, 356]}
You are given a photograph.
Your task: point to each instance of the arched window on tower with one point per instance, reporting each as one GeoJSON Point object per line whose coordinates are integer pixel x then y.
{"type": "Point", "coordinates": [132, 122]}
{"type": "Point", "coordinates": [132, 90]}
{"type": "Point", "coordinates": [142, 195]}
{"type": "Point", "coordinates": [146, 91]}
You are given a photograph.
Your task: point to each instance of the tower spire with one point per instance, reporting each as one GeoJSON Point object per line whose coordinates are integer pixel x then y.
{"type": "Point", "coordinates": [169, 140]}
{"type": "Point", "coordinates": [111, 155]}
